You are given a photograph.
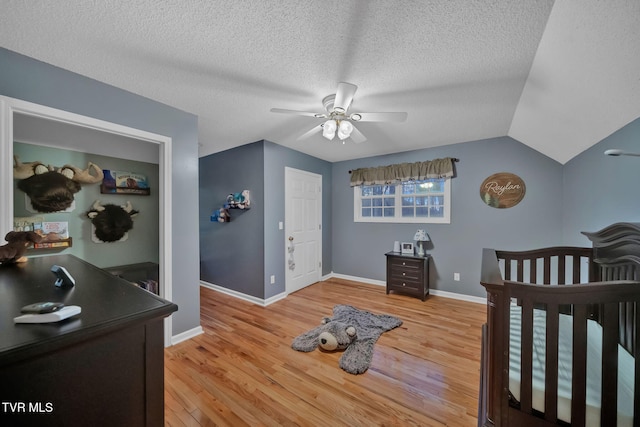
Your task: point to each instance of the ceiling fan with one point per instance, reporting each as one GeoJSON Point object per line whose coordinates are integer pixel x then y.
{"type": "Point", "coordinates": [338, 120]}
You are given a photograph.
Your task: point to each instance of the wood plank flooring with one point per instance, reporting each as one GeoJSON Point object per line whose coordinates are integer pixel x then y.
{"type": "Point", "coordinates": [243, 372]}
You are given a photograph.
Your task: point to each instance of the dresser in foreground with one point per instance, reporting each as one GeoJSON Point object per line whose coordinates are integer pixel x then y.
{"type": "Point", "coordinates": [101, 367]}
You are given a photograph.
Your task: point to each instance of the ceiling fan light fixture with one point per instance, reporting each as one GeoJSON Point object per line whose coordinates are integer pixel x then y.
{"type": "Point", "coordinates": [329, 129]}
{"type": "Point", "coordinates": [617, 152]}
{"type": "Point", "coordinates": [336, 119]}
{"type": "Point", "coordinates": [327, 103]}
{"type": "Point", "coordinates": [345, 129]}
{"type": "Point", "coordinates": [613, 152]}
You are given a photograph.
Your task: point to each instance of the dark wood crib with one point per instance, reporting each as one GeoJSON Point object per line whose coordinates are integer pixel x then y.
{"type": "Point", "coordinates": [545, 304]}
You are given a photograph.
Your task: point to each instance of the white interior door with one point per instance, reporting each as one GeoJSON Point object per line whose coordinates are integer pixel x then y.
{"type": "Point", "coordinates": [303, 228]}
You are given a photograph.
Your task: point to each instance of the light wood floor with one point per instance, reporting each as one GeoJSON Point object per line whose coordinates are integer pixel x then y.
{"type": "Point", "coordinates": [243, 372]}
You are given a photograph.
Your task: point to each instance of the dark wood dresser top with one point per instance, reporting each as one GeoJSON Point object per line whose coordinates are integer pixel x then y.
{"type": "Point", "coordinates": [107, 302]}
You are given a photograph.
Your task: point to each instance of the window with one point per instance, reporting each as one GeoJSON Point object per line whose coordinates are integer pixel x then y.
{"type": "Point", "coordinates": [426, 201]}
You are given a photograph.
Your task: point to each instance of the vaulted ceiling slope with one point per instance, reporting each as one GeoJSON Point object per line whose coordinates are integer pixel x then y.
{"type": "Point", "coordinates": [558, 77]}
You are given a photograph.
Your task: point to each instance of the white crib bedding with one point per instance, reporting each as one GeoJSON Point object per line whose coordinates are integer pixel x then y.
{"type": "Point", "coordinates": [594, 368]}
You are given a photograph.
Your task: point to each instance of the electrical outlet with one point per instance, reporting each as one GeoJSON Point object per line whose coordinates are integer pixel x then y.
{"type": "Point", "coordinates": [273, 279]}
{"type": "Point", "coordinates": [456, 277]}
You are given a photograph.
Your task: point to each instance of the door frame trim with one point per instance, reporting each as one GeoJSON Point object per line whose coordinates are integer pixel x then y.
{"type": "Point", "coordinates": [10, 106]}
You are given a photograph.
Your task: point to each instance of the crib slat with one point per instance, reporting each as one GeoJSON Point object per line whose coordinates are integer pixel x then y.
{"type": "Point", "coordinates": [609, 363]}
{"type": "Point", "coordinates": [579, 366]}
{"type": "Point", "coordinates": [507, 268]}
{"type": "Point", "coordinates": [526, 357]}
{"type": "Point", "coordinates": [561, 270]}
{"type": "Point", "coordinates": [636, 357]}
{"type": "Point", "coordinates": [547, 269]}
{"type": "Point", "coordinates": [551, 368]}
{"type": "Point", "coordinates": [631, 325]}
{"type": "Point", "coordinates": [576, 269]}
{"type": "Point", "coordinates": [610, 274]}
{"type": "Point", "coordinates": [520, 272]}
{"type": "Point", "coordinates": [627, 315]}
{"type": "Point", "coordinates": [533, 270]}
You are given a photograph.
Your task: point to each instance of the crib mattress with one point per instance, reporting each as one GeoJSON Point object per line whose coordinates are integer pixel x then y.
{"type": "Point", "coordinates": [594, 368]}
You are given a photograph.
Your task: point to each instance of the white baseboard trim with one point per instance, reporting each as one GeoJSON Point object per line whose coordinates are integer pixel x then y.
{"type": "Point", "coordinates": [245, 297]}
{"type": "Point", "coordinates": [355, 279]}
{"type": "Point", "coordinates": [461, 297]}
{"type": "Point", "coordinates": [183, 336]}
{"type": "Point", "coordinates": [436, 292]}
{"type": "Point", "coordinates": [264, 303]}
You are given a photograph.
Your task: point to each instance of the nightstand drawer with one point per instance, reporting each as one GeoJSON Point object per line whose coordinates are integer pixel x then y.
{"type": "Point", "coordinates": [400, 284]}
{"type": "Point", "coordinates": [407, 274]}
{"type": "Point", "coordinates": [406, 263]}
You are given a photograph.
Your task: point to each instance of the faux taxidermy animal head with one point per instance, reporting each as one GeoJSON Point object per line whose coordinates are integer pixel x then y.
{"type": "Point", "coordinates": [111, 222]}
{"type": "Point", "coordinates": [52, 189]}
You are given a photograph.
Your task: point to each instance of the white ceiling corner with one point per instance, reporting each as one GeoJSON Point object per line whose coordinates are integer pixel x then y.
{"type": "Point", "coordinates": [585, 80]}
{"type": "Point", "coordinates": [557, 77]}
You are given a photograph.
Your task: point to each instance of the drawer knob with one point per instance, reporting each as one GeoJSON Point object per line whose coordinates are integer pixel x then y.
{"type": "Point", "coordinates": [403, 263]}
{"type": "Point", "coordinates": [404, 274]}
{"type": "Point", "coordinates": [403, 284]}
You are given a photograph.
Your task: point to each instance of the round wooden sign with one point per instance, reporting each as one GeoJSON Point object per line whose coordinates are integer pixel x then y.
{"type": "Point", "coordinates": [502, 190]}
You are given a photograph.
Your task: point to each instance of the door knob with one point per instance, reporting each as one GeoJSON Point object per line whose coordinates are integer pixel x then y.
{"type": "Point", "coordinates": [291, 238]}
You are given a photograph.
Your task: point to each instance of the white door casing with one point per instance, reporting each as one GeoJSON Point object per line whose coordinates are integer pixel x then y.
{"type": "Point", "coordinates": [303, 228]}
{"type": "Point", "coordinates": [11, 106]}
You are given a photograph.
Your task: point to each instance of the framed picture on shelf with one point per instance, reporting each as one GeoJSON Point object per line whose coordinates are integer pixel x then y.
{"type": "Point", "coordinates": [52, 231]}
{"type": "Point", "coordinates": [407, 248]}
{"type": "Point", "coordinates": [118, 182]}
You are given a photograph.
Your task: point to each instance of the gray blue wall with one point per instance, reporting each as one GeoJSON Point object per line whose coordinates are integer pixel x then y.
{"type": "Point", "coordinates": [24, 78]}
{"type": "Point", "coordinates": [243, 254]}
{"type": "Point", "coordinates": [359, 248]}
{"type": "Point", "coordinates": [232, 253]}
{"type": "Point", "coordinates": [600, 190]}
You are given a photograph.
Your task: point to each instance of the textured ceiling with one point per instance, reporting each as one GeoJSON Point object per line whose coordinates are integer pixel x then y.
{"type": "Point", "coordinates": [558, 78]}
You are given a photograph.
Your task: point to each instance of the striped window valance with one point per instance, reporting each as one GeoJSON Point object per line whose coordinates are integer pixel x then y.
{"type": "Point", "coordinates": [393, 174]}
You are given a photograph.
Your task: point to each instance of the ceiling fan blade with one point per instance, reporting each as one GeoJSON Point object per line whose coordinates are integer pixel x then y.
{"type": "Point", "coordinates": [344, 96]}
{"type": "Point", "coordinates": [381, 117]}
{"type": "Point", "coordinates": [309, 133]}
{"type": "Point", "coordinates": [298, 113]}
{"type": "Point", "coordinates": [357, 136]}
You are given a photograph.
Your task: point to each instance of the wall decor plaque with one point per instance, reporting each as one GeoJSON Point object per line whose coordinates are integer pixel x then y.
{"type": "Point", "coordinates": [502, 190]}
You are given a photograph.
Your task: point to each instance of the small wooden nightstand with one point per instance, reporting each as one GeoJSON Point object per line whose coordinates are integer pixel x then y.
{"type": "Point", "coordinates": [408, 274]}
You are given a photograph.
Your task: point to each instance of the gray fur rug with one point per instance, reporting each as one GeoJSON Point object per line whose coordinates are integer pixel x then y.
{"type": "Point", "coordinates": [358, 348]}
